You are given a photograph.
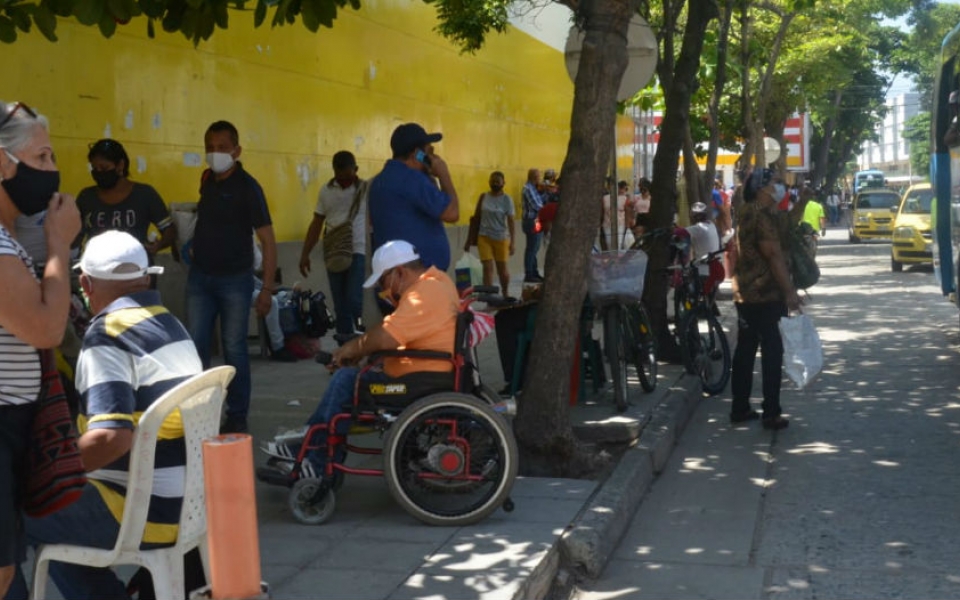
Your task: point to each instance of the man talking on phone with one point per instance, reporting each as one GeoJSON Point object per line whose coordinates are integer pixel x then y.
{"type": "Point", "coordinates": [405, 201]}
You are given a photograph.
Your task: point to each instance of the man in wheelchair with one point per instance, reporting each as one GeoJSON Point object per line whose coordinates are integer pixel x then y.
{"type": "Point", "coordinates": [425, 319]}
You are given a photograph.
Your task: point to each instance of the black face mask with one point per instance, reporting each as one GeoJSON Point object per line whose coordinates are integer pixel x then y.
{"type": "Point", "coordinates": [31, 189]}
{"type": "Point", "coordinates": [106, 180]}
{"type": "Point", "coordinates": [496, 188]}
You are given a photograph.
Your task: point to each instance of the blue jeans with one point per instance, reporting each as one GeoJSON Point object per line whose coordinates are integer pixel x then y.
{"type": "Point", "coordinates": [346, 290]}
{"type": "Point", "coordinates": [229, 297]}
{"type": "Point", "coordinates": [338, 398]}
{"type": "Point", "coordinates": [533, 246]}
{"type": "Point", "coordinates": [86, 522]}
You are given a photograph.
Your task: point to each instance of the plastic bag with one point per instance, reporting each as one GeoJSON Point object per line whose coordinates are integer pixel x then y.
{"type": "Point", "coordinates": [468, 271]}
{"type": "Point", "coordinates": [617, 276]}
{"type": "Point", "coordinates": [802, 352]}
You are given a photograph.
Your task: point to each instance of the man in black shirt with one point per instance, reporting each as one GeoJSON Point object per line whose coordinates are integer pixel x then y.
{"type": "Point", "coordinates": [232, 207]}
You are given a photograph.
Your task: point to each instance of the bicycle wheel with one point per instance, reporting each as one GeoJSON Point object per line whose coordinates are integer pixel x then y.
{"type": "Point", "coordinates": [615, 332]}
{"type": "Point", "coordinates": [705, 349]}
{"type": "Point", "coordinates": [644, 348]}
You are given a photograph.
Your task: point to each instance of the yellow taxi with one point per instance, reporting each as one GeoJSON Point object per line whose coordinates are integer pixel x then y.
{"type": "Point", "coordinates": [912, 236]}
{"type": "Point", "coordinates": [872, 216]}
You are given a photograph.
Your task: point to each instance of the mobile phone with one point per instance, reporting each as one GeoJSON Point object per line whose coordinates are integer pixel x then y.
{"type": "Point", "coordinates": [423, 157]}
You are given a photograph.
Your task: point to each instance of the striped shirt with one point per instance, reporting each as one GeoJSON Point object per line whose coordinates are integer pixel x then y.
{"type": "Point", "coordinates": [134, 352]}
{"type": "Point", "coordinates": [19, 362]}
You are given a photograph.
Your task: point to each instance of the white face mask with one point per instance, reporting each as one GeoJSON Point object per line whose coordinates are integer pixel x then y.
{"type": "Point", "coordinates": [219, 162]}
{"type": "Point", "coordinates": [780, 191]}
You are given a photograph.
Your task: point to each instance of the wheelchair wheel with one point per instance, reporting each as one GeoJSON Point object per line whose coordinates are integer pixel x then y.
{"type": "Point", "coordinates": [303, 506]}
{"type": "Point", "coordinates": [449, 459]}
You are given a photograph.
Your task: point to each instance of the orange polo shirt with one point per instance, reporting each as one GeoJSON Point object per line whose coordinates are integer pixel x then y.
{"type": "Point", "coordinates": [425, 319]}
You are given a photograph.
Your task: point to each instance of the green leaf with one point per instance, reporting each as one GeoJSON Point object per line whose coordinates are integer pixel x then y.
{"type": "Point", "coordinates": [107, 25]}
{"type": "Point", "coordinates": [310, 15]}
{"type": "Point", "coordinates": [119, 9]}
{"type": "Point", "coordinates": [151, 29]}
{"type": "Point", "coordinates": [260, 13]}
{"type": "Point", "coordinates": [152, 8]}
{"type": "Point", "coordinates": [46, 21]}
{"type": "Point", "coordinates": [88, 12]}
{"type": "Point", "coordinates": [195, 4]}
{"type": "Point", "coordinates": [280, 14]}
{"type": "Point", "coordinates": [8, 31]}
{"type": "Point", "coordinates": [220, 16]}
{"type": "Point", "coordinates": [327, 11]}
{"type": "Point", "coordinates": [21, 17]}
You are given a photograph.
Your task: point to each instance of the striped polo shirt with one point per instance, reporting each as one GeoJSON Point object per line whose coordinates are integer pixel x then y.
{"type": "Point", "coordinates": [135, 351]}
{"type": "Point", "coordinates": [19, 361]}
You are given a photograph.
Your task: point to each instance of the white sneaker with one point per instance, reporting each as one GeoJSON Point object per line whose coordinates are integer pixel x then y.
{"type": "Point", "coordinates": [281, 450]}
{"type": "Point", "coordinates": [309, 470]}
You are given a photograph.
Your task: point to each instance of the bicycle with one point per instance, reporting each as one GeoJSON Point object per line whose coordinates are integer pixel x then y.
{"type": "Point", "coordinates": [703, 343]}
{"type": "Point", "coordinates": [616, 288]}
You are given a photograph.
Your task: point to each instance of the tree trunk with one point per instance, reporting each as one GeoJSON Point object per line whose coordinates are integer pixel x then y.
{"type": "Point", "coordinates": [820, 171]}
{"type": "Point", "coordinates": [678, 78]}
{"type": "Point", "coordinates": [543, 426]}
{"type": "Point", "coordinates": [720, 81]}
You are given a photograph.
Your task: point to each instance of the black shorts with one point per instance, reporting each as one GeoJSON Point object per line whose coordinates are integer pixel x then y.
{"type": "Point", "coordinates": [15, 425]}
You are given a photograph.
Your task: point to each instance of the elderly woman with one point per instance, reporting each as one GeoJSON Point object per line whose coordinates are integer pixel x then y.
{"type": "Point", "coordinates": [763, 292]}
{"type": "Point", "coordinates": [33, 312]}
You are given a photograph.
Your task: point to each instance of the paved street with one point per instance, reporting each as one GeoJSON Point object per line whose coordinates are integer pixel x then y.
{"type": "Point", "coordinates": [857, 499]}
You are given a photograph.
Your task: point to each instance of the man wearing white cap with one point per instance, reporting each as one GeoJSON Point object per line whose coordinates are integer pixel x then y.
{"type": "Point", "coordinates": [703, 235]}
{"type": "Point", "coordinates": [133, 352]}
{"type": "Point", "coordinates": [425, 318]}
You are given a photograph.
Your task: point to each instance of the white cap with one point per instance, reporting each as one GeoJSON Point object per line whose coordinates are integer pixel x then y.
{"type": "Point", "coordinates": [390, 255]}
{"type": "Point", "coordinates": [698, 207]}
{"type": "Point", "coordinates": [116, 255]}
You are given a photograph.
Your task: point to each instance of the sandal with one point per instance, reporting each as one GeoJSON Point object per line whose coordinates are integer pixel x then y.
{"type": "Point", "coordinates": [776, 423]}
{"type": "Point", "coordinates": [750, 415]}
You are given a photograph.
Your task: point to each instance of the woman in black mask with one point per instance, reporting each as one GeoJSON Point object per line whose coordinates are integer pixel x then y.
{"type": "Point", "coordinates": [33, 310]}
{"type": "Point", "coordinates": [115, 202]}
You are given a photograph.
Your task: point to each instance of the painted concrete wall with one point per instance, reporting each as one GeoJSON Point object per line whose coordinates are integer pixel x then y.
{"type": "Point", "coordinates": [296, 98]}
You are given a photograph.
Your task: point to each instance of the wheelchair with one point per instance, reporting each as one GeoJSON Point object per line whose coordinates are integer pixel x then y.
{"type": "Point", "coordinates": [449, 454]}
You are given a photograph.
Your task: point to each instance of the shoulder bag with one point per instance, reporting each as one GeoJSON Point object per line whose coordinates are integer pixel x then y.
{"type": "Point", "coordinates": [474, 231]}
{"type": "Point", "coordinates": [338, 240]}
{"type": "Point", "coordinates": [55, 473]}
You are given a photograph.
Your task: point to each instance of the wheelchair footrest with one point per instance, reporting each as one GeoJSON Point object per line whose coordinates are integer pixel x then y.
{"type": "Point", "coordinates": [273, 476]}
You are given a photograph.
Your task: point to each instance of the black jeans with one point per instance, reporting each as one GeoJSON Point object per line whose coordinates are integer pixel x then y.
{"type": "Point", "coordinates": [757, 327]}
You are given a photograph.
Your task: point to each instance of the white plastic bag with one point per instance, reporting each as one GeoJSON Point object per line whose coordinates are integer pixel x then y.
{"type": "Point", "coordinates": [468, 271]}
{"type": "Point", "coordinates": [802, 352]}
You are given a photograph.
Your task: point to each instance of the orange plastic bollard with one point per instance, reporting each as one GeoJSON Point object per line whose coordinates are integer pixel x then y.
{"type": "Point", "coordinates": [231, 517]}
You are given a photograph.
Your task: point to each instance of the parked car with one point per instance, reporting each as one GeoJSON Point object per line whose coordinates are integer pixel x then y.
{"type": "Point", "coordinates": [912, 237]}
{"type": "Point", "coordinates": [872, 216]}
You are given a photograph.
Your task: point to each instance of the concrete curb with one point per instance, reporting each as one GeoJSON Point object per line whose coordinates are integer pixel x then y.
{"type": "Point", "coordinates": [588, 544]}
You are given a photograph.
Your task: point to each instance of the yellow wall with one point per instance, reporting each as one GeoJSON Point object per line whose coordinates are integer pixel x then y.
{"type": "Point", "coordinates": [296, 98]}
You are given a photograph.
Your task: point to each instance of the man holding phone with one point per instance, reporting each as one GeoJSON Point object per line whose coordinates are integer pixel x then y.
{"type": "Point", "coordinates": [405, 202]}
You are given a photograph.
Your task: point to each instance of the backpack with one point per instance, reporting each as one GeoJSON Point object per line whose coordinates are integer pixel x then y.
{"type": "Point", "coordinates": [803, 264]}
{"type": "Point", "coordinates": [315, 317]}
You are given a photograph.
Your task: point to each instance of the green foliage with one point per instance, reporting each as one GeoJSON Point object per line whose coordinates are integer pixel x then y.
{"type": "Point", "coordinates": [195, 19]}
{"type": "Point", "coordinates": [916, 131]}
{"type": "Point", "coordinates": [467, 22]}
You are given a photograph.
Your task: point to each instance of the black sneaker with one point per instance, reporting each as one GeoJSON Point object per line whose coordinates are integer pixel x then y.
{"type": "Point", "coordinates": [283, 355]}
{"type": "Point", "coordinates": [776, 423]}
{"type": "Point", "coordinates": [234, 425]}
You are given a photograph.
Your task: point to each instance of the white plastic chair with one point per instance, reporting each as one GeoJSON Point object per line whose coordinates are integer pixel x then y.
{"type": "Point", "coordinates": [199, 400]}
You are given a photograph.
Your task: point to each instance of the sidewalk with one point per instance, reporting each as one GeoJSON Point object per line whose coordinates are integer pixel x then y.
{"type": "Point", "coordinates": [371, 548]}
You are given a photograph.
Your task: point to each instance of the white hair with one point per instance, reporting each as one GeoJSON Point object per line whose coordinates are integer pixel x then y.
{"type": "Point", "coordinates": [17, 132]}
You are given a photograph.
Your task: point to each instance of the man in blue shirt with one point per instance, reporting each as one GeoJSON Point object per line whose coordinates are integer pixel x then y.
{"type": "Point", "coordinates": [532, 203]}
{"type": "Point", "coordinates": [404, 201]}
